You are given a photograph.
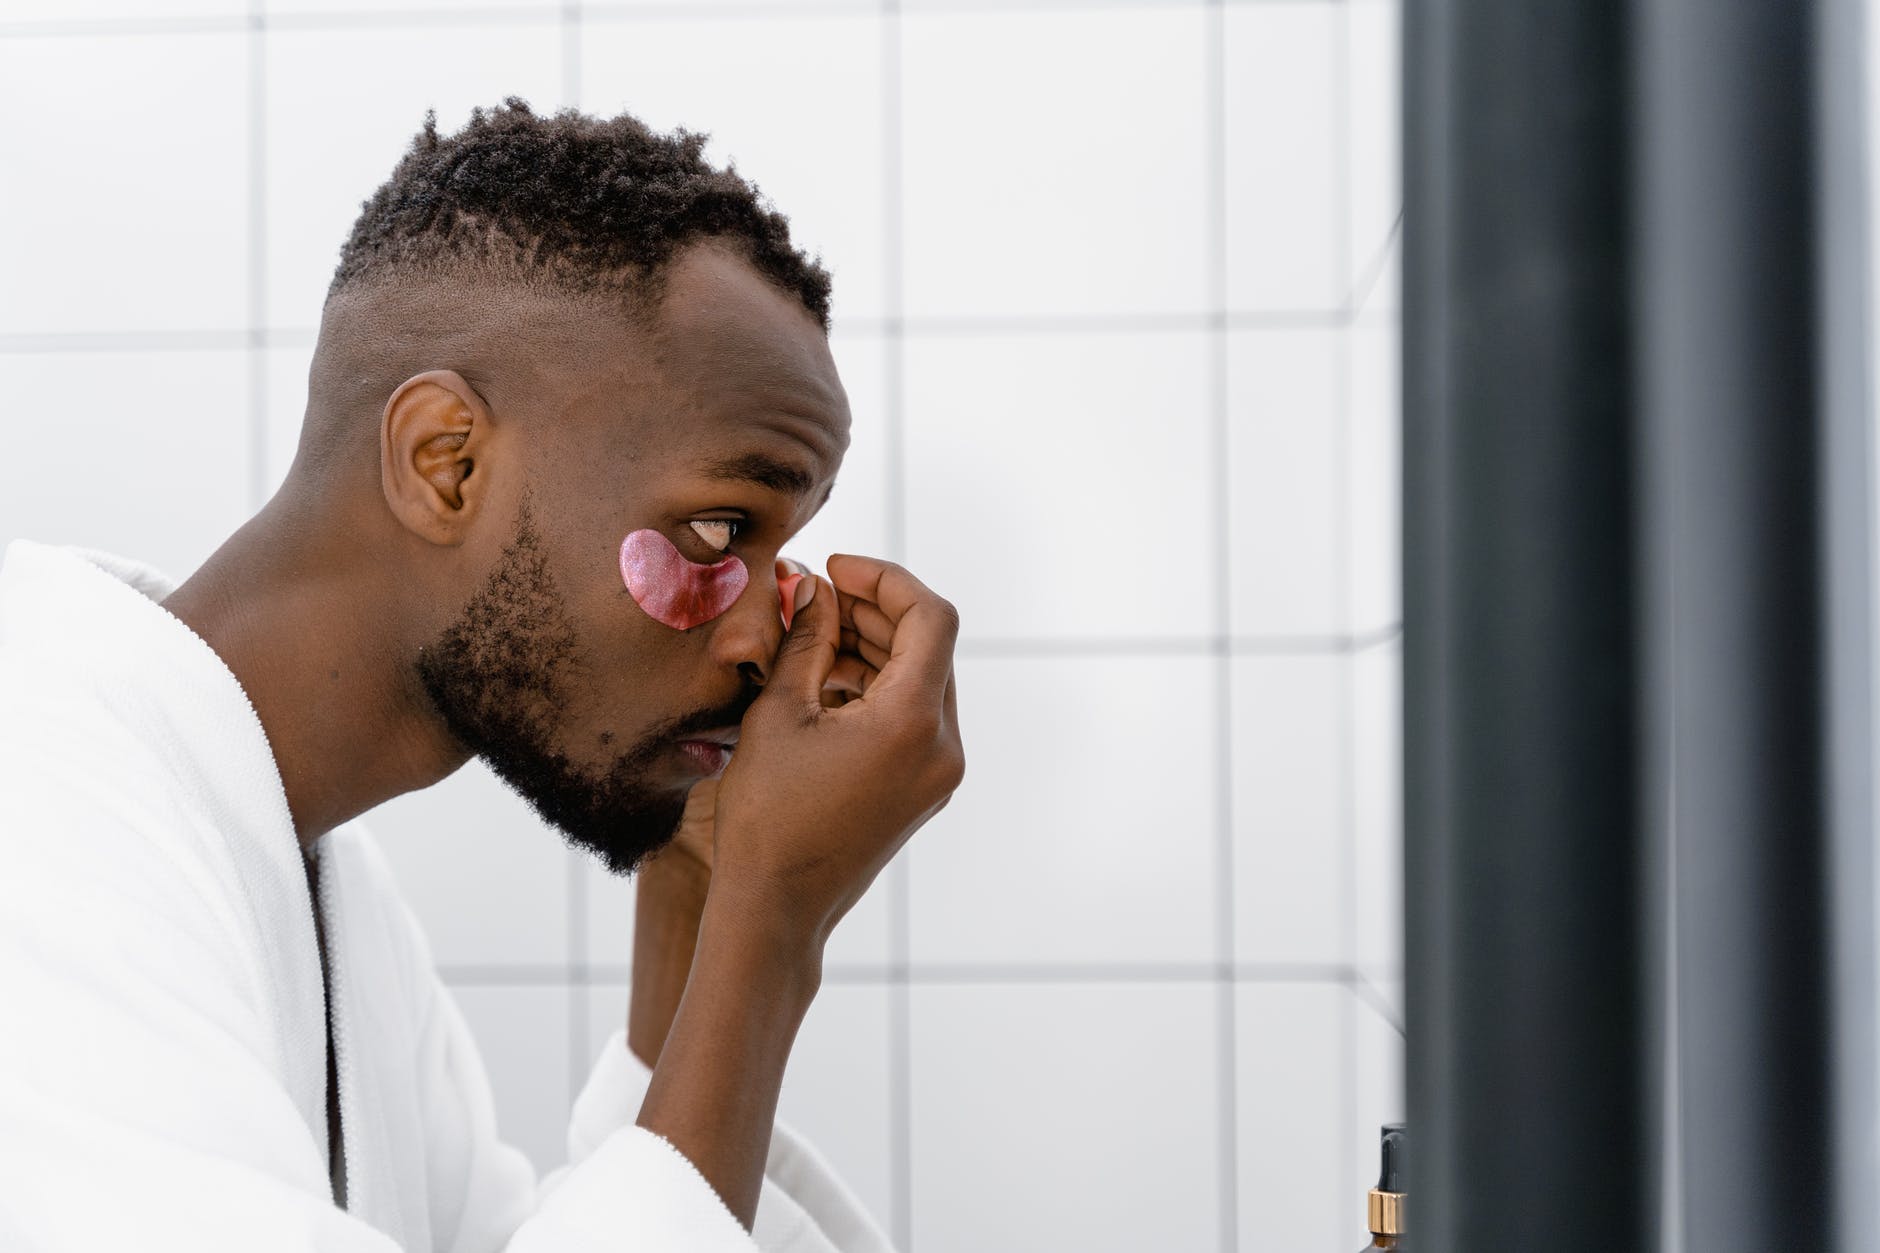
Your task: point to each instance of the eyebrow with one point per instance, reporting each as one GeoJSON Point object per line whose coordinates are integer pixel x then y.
{"type": "Point", "coordinates": [765, 471]}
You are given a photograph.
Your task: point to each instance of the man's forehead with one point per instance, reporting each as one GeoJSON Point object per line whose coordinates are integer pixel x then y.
{"type": "Point", "coordinates": [740, 351]}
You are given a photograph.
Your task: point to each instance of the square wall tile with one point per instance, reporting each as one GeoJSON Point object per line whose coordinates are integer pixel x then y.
{"type": "Point", "coordinates": [863, 940]}
{"type": "Point", "coordinates": [609, 903]}
{"type": "Point", "coordinates": [606, 1006]}
{"type": "Point", "coordinates": [1292, 1090]}
{"type": "Point", "coordinates": [135, 223]}
{"type": "Point", "coordinates": [1086, 828]}
{"type": "Point", "coordinates": [860, 941]}
{"type": "Point", "coordinates": [1376, 110]}
{"type": "Point", "coordinates": [522, 1035]}
{"type": "Point", "coordinates": [1079, 1117]}
{"type": "Point", "coordinates": [836, 1090]}
{"type": "Point", "coordinates": [1061, 486]}
{"type": "Point", "coordinates": [1377, 1098]}
{"type": "Point", "coordinates": [1291, 844]}
{"type": "Point", "coordinates": [1285, 216]}
{"type": "Point", "coordinates": [487, 878]}
{"type": "Point", "coordinates": [794, 102]}
{"type": "Point", "coordinates": [1377, 800]}
{"type": "Point", "coordinates": [1055, 163]}
{"type": "Point", "coordinates": [1376, 479]}
{"type": "Point", "coordinates": [1285, 443]}
{"type": "Point", "coordinates": [856, 518]}
{"type": "Point", "coordinates": [144, 454]}
{"type": "Point", "coordinates": [343, 106]}
{"type": "Point", "coordinates": [285, 394]}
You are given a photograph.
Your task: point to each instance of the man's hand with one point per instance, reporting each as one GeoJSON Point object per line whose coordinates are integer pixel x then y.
{"type": "Point", "coordinates": [852, 746]}
{"type": "Point", "coordinates": [816, 799]}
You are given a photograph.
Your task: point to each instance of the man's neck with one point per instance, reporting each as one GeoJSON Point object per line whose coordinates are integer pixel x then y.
{"type": "Point", "coordinates": [315, 646]}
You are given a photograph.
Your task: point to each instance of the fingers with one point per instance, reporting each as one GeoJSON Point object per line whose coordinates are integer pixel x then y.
{"type": "Point", "coordinates": [920, 625]}
{"type": "Point", "coordinates": [850, 676]}
{"type": "Point", "coordinates": [874, 654]}
{"type": "Point", "coordinates": [866, 621]}
{"type": "Point", "coordinates": [809, 651]}
{"type": "Point", "coordinates": [886, 585]}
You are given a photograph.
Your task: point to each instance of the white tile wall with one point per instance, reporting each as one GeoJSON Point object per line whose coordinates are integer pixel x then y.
{"type": "Point", "coordinates": [1055, 317]}
{"type": "Point", "coordinates": [793, 101]}
{"type": "Point", "coordinates": [1054, 165]}
{"type": "Point", "coordinates": [1371, 158]}
{"type": "Point", "coordinates": [1089, 831]}
{"type": "Point", "coordinates": [522, 1034]}
{"type": "Point", "coordinates": [488, 879]}
{"type": "Point", "coordinates": [126, 204]}
{"type": "Point", "coordinates": [1291, 842]}
{"type": "Point", "coordinates": [1064, 486]}
{"type": "Point", "coordinates": [284, 399]}
{"type": "Point", "coordinates": [836, 1092]}
{"type": "Point", "coordinates": [1286, 446]}
{"type": "Point", "coordinates": [1068, 1116]}
{"type": "Point", "coordinates": [1376, 793]}
{"type": "Point", "coordinates": [1374, 569]}
{"type": "Point", "coordinates": [1292, 1082]}
{"type": "Point", "coordinates": [331, 141]}
{"type": "Point", "coordinates": [1285, 245]}
{"type": "Point", "coordinates": [70, 12]}
{"type": "Point", "coordinates": [139, 453]}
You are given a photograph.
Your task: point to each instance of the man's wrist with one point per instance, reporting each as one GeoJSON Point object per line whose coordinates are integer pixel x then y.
{"type": "Point", "coordinates": [743, 935]}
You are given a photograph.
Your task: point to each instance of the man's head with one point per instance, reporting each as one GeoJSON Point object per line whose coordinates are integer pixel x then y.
{"type": "Point", "coordinates": [544, 334]}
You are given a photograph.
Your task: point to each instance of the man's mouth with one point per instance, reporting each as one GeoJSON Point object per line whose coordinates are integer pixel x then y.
{"type": "Point", "coordinates": [709, 751]}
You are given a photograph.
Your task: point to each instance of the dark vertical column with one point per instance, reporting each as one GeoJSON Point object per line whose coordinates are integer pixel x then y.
{"type": "Point", "coordinates": [1525, 944]}
{"type": "Point", "coordinates": [1753, 335]}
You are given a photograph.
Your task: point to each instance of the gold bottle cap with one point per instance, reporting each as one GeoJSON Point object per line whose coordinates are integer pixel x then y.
{"type": "Point", "coordinates": [1386, 1213]}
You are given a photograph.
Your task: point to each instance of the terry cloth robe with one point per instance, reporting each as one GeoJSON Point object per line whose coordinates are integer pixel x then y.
{"type": "Point", "coordinates": [163, 1044]}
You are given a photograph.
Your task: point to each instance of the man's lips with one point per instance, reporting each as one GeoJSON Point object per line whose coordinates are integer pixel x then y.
{"type": "Point", "coordinates": [708, 751]}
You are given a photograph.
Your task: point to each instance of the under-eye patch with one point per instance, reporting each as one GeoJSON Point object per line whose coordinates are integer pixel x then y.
{"type": "Point", "coordinates": [680, 593]}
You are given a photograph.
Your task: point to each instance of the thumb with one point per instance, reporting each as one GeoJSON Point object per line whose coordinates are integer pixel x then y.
{"type": "Point", "coordinates": [808, 652]}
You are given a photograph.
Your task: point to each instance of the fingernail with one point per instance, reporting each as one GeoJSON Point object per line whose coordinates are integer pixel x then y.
{"type": "Point", "coordinates": [805, 592]}
{"type": "Point", "coordinates": [786, 595]}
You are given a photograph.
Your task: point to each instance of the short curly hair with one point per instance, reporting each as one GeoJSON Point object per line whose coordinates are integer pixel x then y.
{"type": "Point", "coordinates": [570, 201]}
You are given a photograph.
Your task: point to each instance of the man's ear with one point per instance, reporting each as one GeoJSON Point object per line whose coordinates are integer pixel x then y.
{"type": "Point", "coordinates": [434, 428]}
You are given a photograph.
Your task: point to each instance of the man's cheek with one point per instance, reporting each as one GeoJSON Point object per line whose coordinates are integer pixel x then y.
{"type": "Point", "coordinates": [678, 593]}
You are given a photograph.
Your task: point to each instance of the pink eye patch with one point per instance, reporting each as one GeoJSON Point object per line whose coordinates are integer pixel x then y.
{"type": "Point", "coordinates": [680, 593]}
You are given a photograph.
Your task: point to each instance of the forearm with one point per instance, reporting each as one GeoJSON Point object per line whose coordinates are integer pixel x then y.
{"type": "Point", "coordinates": [714, 1091]}
{"type": "Point", "coordinates": [670, 893]}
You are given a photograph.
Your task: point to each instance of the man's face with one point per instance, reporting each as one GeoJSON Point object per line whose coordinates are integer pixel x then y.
{"type": "Point", "coordinates": [551, 672]}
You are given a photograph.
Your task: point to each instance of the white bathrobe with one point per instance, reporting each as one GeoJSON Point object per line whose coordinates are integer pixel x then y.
{"type": "Point", "coordinates": [162, 1014]}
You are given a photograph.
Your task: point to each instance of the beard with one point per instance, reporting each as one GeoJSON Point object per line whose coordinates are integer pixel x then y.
{"type": "Point", "coordinates": [499, 676]}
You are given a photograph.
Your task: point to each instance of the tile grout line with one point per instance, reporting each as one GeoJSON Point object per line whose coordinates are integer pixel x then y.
{"type": "Point", "coordinates": [256, 357]}
{"type": "Point", "coordinates": [1226, 995]}
{"type": "Point", "coordinates": [900, 888]}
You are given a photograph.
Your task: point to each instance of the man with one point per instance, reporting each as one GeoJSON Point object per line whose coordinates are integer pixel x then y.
{"type": "Point", "coordinates": [572, 394]}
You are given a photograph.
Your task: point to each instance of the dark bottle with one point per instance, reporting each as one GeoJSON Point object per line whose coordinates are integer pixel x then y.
{"type": "Point", "coordinates": [1387, 1198]}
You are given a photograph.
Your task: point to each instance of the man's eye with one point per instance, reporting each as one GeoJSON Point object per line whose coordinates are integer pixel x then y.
{"type": "Point", "coordinates": [716, 531]}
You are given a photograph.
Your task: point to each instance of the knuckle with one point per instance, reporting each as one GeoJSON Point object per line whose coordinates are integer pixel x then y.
{"type": "Point", "coordinates": [949, 614]}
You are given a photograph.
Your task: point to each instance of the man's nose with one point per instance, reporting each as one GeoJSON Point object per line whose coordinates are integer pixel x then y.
{"type": "Point", "coordinates": [750, 633]}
